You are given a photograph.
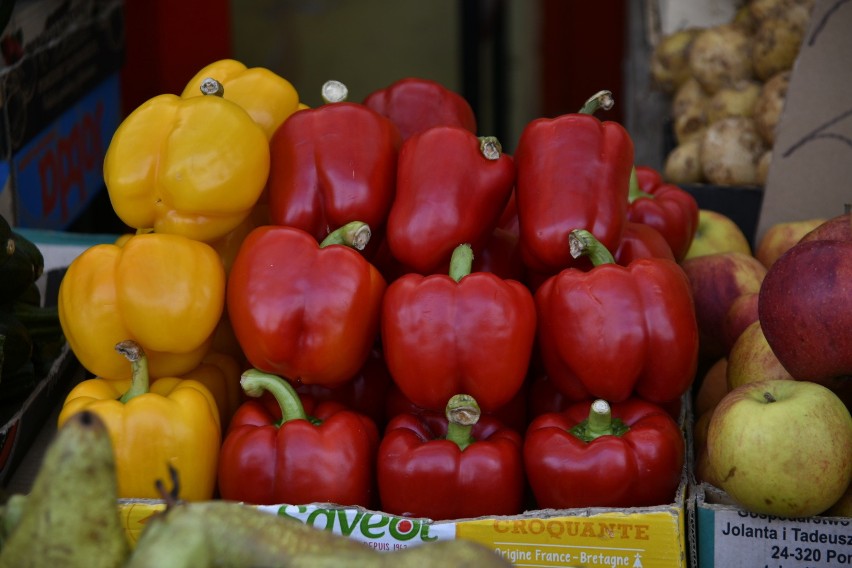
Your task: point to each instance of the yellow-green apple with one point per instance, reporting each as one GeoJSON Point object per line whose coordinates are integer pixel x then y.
{"type": "Point", "coordinates": [741, 314]}
{"type": "Point", "coordinates": [717, 233]}
{"type": "Point", "coordinates": [805, 310]}
{"type": "Point", "coordinates": [751, 359]}
{"type": "Point", "coordinates": [712, 388]}
{"type": "Point", "coordinates": [843, 506]}
{"type": "Point", "coordinates": [837, 228]}
{"type": "Point", "coordinates": [781, 447]}
{"type": "Point", "coordinates": [717, 280]}
{"type": "Point", "coordinates": [781, 236]}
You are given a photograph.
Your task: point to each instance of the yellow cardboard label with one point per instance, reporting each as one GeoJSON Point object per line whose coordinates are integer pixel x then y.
{"type": "Point", "coordinates": [136, 515]}
{"type": "Point", "coordinates": [611, 539]}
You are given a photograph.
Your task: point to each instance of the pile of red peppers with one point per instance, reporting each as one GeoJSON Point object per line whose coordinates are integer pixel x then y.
{"type": "Point", "coordinates": [436, 328]}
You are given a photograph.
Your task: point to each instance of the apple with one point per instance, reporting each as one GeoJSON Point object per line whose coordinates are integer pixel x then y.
{"type": "Point", "coordinates": [781, 236]}
{"type": "Point", "coordinates": [717, 280]}
{"type": "Point", "coordinates": [843, 506]}
{"type": "Point", "coordinates": [781, 447]}
{"type": "Point", "coordinates": [717, 233]}
{"type": "Point", "coordinates": [741, 314]}
{"type": "Point", "coordinates": [835, 229]}
{"type": "Point", "coordinates": [712, 388]}
{"type": "Point", "coordinates": [805, 310]}
{"type": "Point", "coordinates": [751, 359]}
{"type": "Point", "coordinates": [702, 472]}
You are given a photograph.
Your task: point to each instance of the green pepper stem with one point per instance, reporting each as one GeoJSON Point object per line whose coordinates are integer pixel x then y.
{"type": "Point", "coordinates": [583, 243]}
{"type": "Point", "coordinates": [211, 86]}
{"type": "Point", "coordinates": [462, 413]}
{"type": "Point", "coordinates": [255, 382]}
{"type": "Point", "coordinates": [490, 147]}
{"type": "Point", "coordinates": [139, 377]}
{"type": "Point", "coordinates": [334, 92]}
{"type": "Point", "coordinates": [355, 234]}
{"type": "Point", "coordinates": [600, 100]}
{"type": "Point", "coordinates": [461, 262]}
{"type": "Point", "coordinates": [599, 423]}
{"type": "Point", "coordinates": [635, 189]}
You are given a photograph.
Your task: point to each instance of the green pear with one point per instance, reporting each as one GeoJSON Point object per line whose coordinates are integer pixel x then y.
{"type": "Point", "coordinates": [71, 516]}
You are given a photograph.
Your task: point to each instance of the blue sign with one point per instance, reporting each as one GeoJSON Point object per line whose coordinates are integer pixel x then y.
{"type": "Point", "coordinates": [57, 173]}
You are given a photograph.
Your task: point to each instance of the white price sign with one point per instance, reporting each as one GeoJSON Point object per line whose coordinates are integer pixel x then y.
{"type": "Point", "coordinates": [746, 539]}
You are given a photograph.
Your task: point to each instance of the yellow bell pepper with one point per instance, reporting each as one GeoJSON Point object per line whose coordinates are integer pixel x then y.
{"type": "Point", "coordinates": [220, 373]}
{"type": "Point", "coordinates": [170, 422]}
{"type": "Point", "coordinates": [166, 292]}
{"type": "Point", "coordinates": [266, 96]}
{"type": "Point", "coordinates": [189, 166]}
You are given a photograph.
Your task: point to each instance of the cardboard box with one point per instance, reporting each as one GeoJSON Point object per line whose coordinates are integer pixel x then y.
{"type": "Point", "coordinates": [652, 537]}
{"type": "Point", "coordinates": [60, 106]}
{"type": "Point", "coordinates": [642, 537]}
{"type": "Point", "coordinates": [729, 536]}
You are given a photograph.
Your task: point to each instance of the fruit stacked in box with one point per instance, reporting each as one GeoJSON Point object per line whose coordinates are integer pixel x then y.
{"type": "Point", "coordinates": [772, 423]}
{"type": "Point", "coordinates": [728, 84]}
{"type": "Point", "coordinates": [344, 303]}
{"type": "Point", "coordinates": [371, 304]}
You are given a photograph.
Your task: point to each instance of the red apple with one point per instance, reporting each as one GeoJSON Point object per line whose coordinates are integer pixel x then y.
{"type": "Point", "coordinates": [781, 447]}
{"type": "Point", "coordinates": [741, 314]}
{"type": "Point", "coordinates": [805, 310]}
{"type": "Point", "coordinates": [717, 280]}
{"type": "Point", "coordinates": [835, 229]}
{"type": "Point", "coordinates": [717, 233]}
{"type": "Point", "coordinates": [780, 237]}
{"type": "Point", "coordinates": [712, 388]}
{"type": "Point", "coordinates": [751, 359]}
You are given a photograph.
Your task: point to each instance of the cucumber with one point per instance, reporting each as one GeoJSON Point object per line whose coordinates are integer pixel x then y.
{"type": "Point", "coordinates": [19, 271]}
{"type": "Point", "coordinates": [7, 240]}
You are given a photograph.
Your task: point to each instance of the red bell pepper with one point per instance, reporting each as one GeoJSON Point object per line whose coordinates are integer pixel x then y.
{"type": "Point", "coordinates": [330, 165]}
{"type": "Point", "coordinates": [616, 331]}
{"type": "Point", "coordinates": [366, 393]}
{"type": "Point", "coordinates": [629, 454]}
{"type": "Point", "coordinates": [286, 457]}
{"type": "Point", "coordinates": [666, 207]}
{"type": "Point", "coordinates": [416, 104]}
{"type": "Point", "coordinates": [641, 241]}
{"type": "Point", "coordinates": [501, 255]}
{"type": "Point", "coordinates": [450, 467]}
{"type": "Point", "coordinates": [458, 333]}
{"type": "Point", "coordinates": [306, 311]}
{"type": "Point", "coordinates": [451, 188]}
{"type": "Point", "coordinates": [513, 414]}
{"type": "Point", "coordinates": [573, 173]}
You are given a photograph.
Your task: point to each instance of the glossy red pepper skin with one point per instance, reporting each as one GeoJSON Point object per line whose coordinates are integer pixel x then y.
{"type": "Point", "coordinates": [299, 462]}
{"type": "Point", "coordinates": [616, 331]}
{"type": "Point", "coordinates": [421, 474]}
{"type": "Point", "coordinates": [366, 393]}
{"type": "Point", "coordinates": [447, 193]}
{"type": "Point", "coordinates": [415, 104]}
{"type": "Point", "coordinates": [666, 207]}
{"type": "Point", "coordinates": [573, 172]}
{"type": "Point", "coordinates": [640, 468]}
{"type": "Point", "coordinates": [641, 241]}
{"type": "Point", "coordinates": [441, 337]}
{"type": "Point", "coordinates": [330, 165]}
{"type": "Point", "coordinates": [306, 313]}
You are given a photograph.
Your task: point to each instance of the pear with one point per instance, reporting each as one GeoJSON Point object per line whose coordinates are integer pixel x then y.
{"type": "Point", "coordinates": [229, 533]}
{"type": "Point", "coordinates": [70, 517]}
